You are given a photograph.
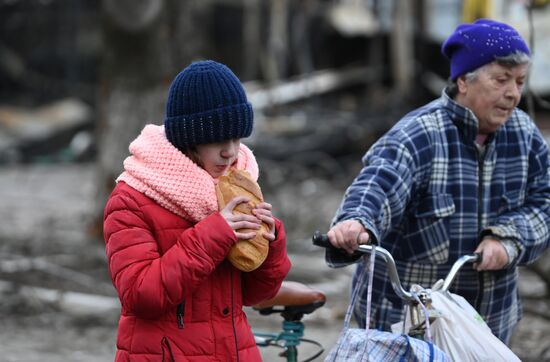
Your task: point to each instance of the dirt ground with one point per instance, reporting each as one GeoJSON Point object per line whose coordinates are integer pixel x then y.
{"type": "Point", "coordinates": [46, 250]}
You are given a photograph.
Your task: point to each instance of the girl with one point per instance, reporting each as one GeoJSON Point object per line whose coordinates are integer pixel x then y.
{"type": "Point", "coordinates": [166, 240]}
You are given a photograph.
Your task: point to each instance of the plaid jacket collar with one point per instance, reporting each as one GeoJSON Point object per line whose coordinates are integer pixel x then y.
{"type": "Point", "coordinates": [461, 116]}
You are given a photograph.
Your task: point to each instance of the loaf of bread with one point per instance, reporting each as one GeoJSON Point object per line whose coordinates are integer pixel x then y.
{"type": "Point", "coordinates": [245, 255]}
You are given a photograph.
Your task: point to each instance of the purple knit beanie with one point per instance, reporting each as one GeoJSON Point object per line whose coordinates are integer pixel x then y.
{"type": "Point", "coordinates": [206, 104]}
{"type": "Point", "coordinates": [474, 45]}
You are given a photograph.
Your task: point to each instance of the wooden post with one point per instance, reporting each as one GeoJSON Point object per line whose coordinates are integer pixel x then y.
{"type": "Point", "coordinates": [401, 47]}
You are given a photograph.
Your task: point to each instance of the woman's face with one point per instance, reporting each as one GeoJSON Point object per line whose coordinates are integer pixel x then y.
{"type": "Point", "coordinates": [217, 158]}
{"type": "Point", "coordinates": [493, 94]}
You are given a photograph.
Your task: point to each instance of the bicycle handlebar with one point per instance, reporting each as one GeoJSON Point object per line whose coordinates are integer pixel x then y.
{"type": "Point", "coordinates": [322, 240]}
{"type": "Point", "coordinates": [469, 258]}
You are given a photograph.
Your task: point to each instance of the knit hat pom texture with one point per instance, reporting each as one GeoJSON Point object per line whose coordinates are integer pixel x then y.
{"type": "Point", "coordinates": [206, 104]}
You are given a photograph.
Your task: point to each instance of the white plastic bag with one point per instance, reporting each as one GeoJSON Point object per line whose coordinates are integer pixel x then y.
{"type": "Point", "coordinates": [461, 332]}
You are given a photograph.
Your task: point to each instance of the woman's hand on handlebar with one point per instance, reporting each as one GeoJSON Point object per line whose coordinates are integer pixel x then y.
{"type": "Point", "coordinates": [348, 235]}
{"type": "Point", "coordinates": [495, 256]}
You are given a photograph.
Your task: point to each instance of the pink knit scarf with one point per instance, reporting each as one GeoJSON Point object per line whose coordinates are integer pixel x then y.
{"type": "Point", "coordinates": [159, 170]}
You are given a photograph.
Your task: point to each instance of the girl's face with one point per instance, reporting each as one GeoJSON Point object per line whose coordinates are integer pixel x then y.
{"type": "Point", "coordinates": [217, 158]}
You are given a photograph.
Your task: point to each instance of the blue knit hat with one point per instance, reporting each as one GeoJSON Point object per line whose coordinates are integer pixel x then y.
{"type": "Point", "coordinates": [474, 45]}
{"type": "Point", "coordinates": [206, 104]}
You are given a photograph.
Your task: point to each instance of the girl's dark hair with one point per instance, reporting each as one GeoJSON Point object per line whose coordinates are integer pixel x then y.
{"type": "Point", "coordinates": [193, 155]}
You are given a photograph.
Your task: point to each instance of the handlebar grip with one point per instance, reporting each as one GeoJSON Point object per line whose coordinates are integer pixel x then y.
{"type": "Point", "coordinates": [320, 239]}
{"type": "Point", "coordinates": [479, 257]}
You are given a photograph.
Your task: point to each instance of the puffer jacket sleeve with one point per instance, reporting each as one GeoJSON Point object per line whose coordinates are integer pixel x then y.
{"type": "Point", "coordinates": [264, 282]}
{"type": "Point", "coordinates": [147, 282]}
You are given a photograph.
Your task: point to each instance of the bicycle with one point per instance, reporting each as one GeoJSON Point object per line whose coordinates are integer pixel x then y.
{"type": "Point", "coordinates": [414, 301]}
{"type": "Point", "coordinates": [295, 299]}
{"type": "Point", "coordinates": [292, 302]}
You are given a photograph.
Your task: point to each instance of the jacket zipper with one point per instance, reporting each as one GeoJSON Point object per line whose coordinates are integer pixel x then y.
{"type": "Point", "coordinates": [233, 316]}
{"type": "Point", "coordinates": [165, 345]}
{"type": "Point", "coordinates": [179, 314]}
{"type": "Point", "coordinates": [480, 159]}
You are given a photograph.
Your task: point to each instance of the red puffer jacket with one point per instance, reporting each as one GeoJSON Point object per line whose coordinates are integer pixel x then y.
{"type": "Point", "coordinates": [181, 300]}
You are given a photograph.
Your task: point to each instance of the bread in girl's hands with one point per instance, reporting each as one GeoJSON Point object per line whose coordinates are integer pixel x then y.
{"type": "Point", "coordinates": [245, 255]}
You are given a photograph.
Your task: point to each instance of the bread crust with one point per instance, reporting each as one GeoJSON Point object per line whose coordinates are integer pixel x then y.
{"type": "Point", "coordinates": [245, 255]}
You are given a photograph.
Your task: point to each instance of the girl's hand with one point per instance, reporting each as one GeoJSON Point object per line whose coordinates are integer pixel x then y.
{"type": "Point", "coordinates": [240, 221]}
{"type": "Point", "coordinates": [263, 212]}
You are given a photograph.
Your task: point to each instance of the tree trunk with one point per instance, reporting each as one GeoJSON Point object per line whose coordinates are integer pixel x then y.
{"type": "Point", "coordinates": [276, 56]}
{"type": "Point", "coordinates": [401, 42]}
{"type": "Point", "coordinates": [137, 68]}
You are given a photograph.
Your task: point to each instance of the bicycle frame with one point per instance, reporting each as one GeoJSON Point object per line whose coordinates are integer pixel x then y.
{"type": "Point", "coordinates": [288, 339]}
{"type": "Point", "coordinates": [292, 301]}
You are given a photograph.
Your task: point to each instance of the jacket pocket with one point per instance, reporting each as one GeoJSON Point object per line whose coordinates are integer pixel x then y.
{"type": "Point", "coordinates": [435, 205]}
{"type": "Point", "coordinates": [510, 200]}
{"type": "Point", "coordinates": [425, 235]}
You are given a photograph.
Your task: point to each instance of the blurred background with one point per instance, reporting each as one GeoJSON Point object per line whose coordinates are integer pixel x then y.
{"type": "Point", "coordinates": [80, 78]}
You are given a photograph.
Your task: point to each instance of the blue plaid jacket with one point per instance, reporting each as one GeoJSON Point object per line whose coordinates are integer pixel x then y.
{"type": "Point", "coordinates": [427, 194]}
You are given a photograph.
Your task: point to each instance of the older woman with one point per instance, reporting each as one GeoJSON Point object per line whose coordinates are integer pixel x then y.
{"type": "Point", "coordinates": [468, 172]}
